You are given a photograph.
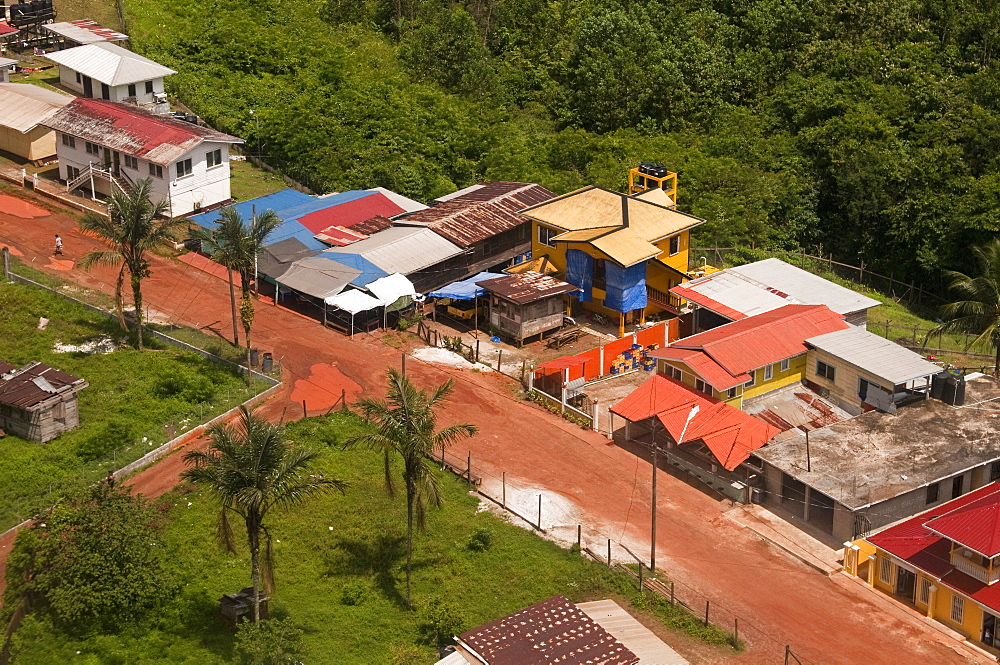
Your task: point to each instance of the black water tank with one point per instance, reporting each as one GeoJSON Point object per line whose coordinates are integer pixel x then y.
{"type": "Point", "coordinates": [960, 392]}
{"type": "Point", "coordinates": [937, 384]}
{"type": "Point", "coordinates": [949, 390]}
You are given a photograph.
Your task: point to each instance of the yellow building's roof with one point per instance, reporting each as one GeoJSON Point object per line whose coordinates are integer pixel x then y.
{"type": "Point", "coordinates": [623, 227]}
{"type": "Point", "coordinates": [657, 196]}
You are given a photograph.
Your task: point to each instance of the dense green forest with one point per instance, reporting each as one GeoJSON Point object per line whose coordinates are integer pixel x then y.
{"type": "Point", "coordinates": [871, 127]}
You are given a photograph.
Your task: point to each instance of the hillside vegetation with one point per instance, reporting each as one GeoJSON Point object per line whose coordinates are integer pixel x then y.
{"type": "Point", "coordinates": [870, 126]}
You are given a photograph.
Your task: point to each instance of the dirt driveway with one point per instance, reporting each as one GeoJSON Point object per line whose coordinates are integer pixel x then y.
{"type": "Point", "coordinates": [779, 600]}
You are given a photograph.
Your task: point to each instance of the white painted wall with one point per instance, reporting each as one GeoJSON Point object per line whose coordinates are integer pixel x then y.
{"type": "Point", "coordinates": [119, 93]}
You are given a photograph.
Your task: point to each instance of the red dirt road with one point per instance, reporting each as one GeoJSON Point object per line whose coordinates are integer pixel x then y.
{"type": "Point", "coordinates": [778, 600]}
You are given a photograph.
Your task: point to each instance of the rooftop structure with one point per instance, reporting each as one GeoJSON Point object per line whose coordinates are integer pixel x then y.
{"type": "Point", "coordinates": [38, 402]}
{"type": "Point", "coordinates": [110, 64]}
{"type": "Point", "coordinates": [874, 354]}
{"type": "Point", "coordinates": [405, 250]}
{"type": "Point", "coordinates": [83, 31]}
{"type": "Point", "coordinates": [526, 287]}
{"type": "Point", "coordinates": [23, 110]}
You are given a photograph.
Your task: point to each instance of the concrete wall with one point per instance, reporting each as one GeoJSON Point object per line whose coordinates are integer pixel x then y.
{"type": "Point", "coordinates": [118, 93]}
{"type": "Point", "coordinates": [39, 143]}
{"type": "Point", "coordinates": [843, 390]}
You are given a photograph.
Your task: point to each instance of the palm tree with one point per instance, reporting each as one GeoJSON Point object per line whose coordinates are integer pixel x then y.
{"type": "Point", "coordinates": [978, 310]}
{"type": "Point", "coordinates": [235, 244]}
{"type": "Point", "coordinates": [404, 425]}
{"type": "Point", "coordinates": [251, 468]}
{"type": "Point", "coordinates": [134, 226]}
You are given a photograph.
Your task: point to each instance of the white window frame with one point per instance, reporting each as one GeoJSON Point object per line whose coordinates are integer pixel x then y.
{"type": "Point", "coordinates": [957, 608]}
{"type": "Point", "coordinates": [211, 156]}
{"type": "Point", "coordinates": [93, 149]}
{"type": "Point", "coordinates": [675, 240]}
{"type": "Point", "coordinates": [785, 364]}
{"type": "Point", "coordinates": [830, 369]}
{"type": "Point", "coordinates": [69, 141]}
{"type": "Point", "coordinates": [924, 591]}
{"type": "Point", "coordinates": [131, 161]}
{"type": "Point", "coordinates": [549, 234]}
{"type": "Point", "coordinates": [885, 569]}
{"type": "Point", "coordinates": [703, 386]}
{"type": "Point", "coordinates": [753, 379]}
{"type": "Point", "coordinates": [188, 168]}
{"type": "Point", "coordinates": [732, 393]}
{"type": "Point", "coordinates": [155, 170]}
{"type": "Point", "coordinates": [72, 172]}
{"type": "Point", "coordinates": [768, 372]}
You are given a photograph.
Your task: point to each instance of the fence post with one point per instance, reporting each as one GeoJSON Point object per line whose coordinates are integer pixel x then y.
{"type": "Point", "coordinates": [6, 263]}
{"type": "Point", "coordinates": [788, 650]}
{"type": "Point", "coordinates": [499, 361]}
{"type": "Point", "coordinates": [706, 612]}
{"type": "Point", "coordinates": [305, 412]}
{"type": "Point", "coordinates": [539, 512]}
{"type": "Point", "coordinates": [579, 537]}
{"type": "Point", "coordinates": [468, 468]}
{"type": "Point", "coordinates": [524, 366]}
{"type": "Point", "coordinates": [736, 633]}
{"type": "Point", "coordinates": [503, 479]}
{"type": "Point", "coordinates": [443, 465]}
{"type": "Point", "coordinates": [531, 379]}
{"type": "Point", "coordinates": [477, 350]}
{"type": "Point", "coordinates": [671, 592]}
{"type": "Point", "coordinates": [609, 552]}
{"type": "Point", "coordinates": [640, 577]}
{"type": "Point", "coordinates": [887, 329]}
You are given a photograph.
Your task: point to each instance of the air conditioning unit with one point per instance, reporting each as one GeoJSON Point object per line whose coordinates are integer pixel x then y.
{"type": "Point", "coordinates": [160, 97]}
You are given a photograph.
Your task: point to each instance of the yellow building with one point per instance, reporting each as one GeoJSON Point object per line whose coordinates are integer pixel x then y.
{"type": "Point", "coordinates": [624, 252]}
{"type": "Point", "coordinates": [749, 357]}
{"type": "Point", "coordinates": [23, 107]}
{"type": "Point", "coordinates": [944, 563]}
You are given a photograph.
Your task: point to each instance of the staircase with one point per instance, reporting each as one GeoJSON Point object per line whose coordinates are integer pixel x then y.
{"type": "Point", "coordinates": [117, 177]}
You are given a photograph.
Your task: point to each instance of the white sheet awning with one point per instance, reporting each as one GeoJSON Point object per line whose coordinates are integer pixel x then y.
{"type": "Point", "coordinates": [353, 301]}
{"type": "Point", "coordinates": [390, 289]}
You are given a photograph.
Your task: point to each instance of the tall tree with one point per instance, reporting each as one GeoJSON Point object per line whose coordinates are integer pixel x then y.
{"type": "Point", "coordinates": [134, 226]}
{"type": "Point", "coordinates": [235, 243]}
{"type": "Point", "coordinates": [977, 312]}
{"type": "Point", "coordinates": [251, 468]}
{"type": "Point", "coordinates": [404, 425]}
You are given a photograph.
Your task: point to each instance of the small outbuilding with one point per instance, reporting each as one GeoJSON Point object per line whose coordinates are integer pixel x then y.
{"type": "Point", "coordinates": [23, 109]}
{"type": "Point", "coordinates": [526, 304]}
{"type": "Point", "coordinates": [38, 402]}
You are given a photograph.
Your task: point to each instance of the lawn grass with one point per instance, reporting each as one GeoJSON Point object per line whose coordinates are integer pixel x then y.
{"type": "Point", "coordinates": [340, 573]}
{"type": "Point", "coordinates": [249, 182]}
{"type": "Point", "coordinates": [135, 401]}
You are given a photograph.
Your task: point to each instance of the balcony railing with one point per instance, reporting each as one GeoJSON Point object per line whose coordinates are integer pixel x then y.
{"type": "Point", "coordinates": [663, 299]}
{"type": "Point", "coordinates": [974, 570]}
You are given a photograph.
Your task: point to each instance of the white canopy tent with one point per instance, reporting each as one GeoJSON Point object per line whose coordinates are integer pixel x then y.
{"type": "Point", "coordinates": [386, 292]}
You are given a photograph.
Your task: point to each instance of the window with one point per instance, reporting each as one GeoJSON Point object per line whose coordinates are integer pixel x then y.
{"type": "Point", "coordinates": [545, 235]}
{"type": "Point", "coordinates": [69, 141]}
{"type": "Point", "coordinates": [785, 364]}
{"type": "Point", "coordinates": [213, 157]}
{"type": "Point", "coordinates": [732, 392]}
{"type": "Point", "coordinates": [72, 173]}
{"type": "Point", "coordinates": [994, 471]}
{"type": "Point", "coordinates": [957, 608]}
{"type": "Point", "coordinates": [701, 386]}
{"type": "Point", "coordinates": [924, 594]}
{"type": "Point", "coordinates": [156, 170]}
{"type": "Point", "coordinates": [753, 378]}
{"type": "Point", "coordinates": [828, 372]}
{"type": "Point", "coordinates": [600, 274]}
{"type": "Point", "coordinates": [131, 162]}
{"type": "Point", "coordinates": [768, 372]}
{"type": "Point", "coordinates": [957, 484]}
{"type": "Point", "coordinates": [932, 493]}
{"type": "Point", "coordinates": [672, 371]}
{"type": "Point", "coordinates": [78, 79]}
{"type": "Point", "coordinates": [131, 89]}
{"type": "Point", "coordinates": [184, 168]}
{"type": "Point", "coordinates": [93, 148]}
{"type": "Point", "coordinates": [675, 245]}
{"type": "Point", "coordinates": [885, 569]}
{"type": "Point", "coordinates": [149, 87]}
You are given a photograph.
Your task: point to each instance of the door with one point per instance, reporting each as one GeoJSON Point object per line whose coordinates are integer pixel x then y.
{"type": "Point", "coordinates": [906, 583]}
{"type": "Point", "coordinates": [989, 634]}
{"type": "Point", "coordinates": [105, 91]}
{"type": "Point", "coordinates": [88, 87]}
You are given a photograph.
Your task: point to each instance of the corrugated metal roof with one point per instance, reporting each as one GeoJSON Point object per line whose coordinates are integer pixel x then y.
{"type": "Point", "coordinates": [975, 525]}
{"type": "Point", "coordinates": [805, 287]}
{"type": "Point", "coordinates": [372, 225]}
{"type": "Point", "coordinates": [278, 202]}
{"type": "Point", "coordinates": [482, 213]}
{"type": "Point", "coordinates": [760, 340]}
{"type": "Point", "coordinates": [7, 62]}
{"type": "Point", "coordinates": [526, 287]}
{"type": "Point", "coordinates": [109, 63]}
{"type": "Point", "coordinates": [275, 259]}
{"type": "Point", "coordinates": [640, 221]}
{"type": "Point", "coordinates": [24, 106]}
{"type": "Point", "coordinates": [874, 354]}
{"type": "Point", "coordinates": [85, 31]}
{"type": "Point", "coordinates": [349, 212]}
{"type": "Point", "coordinates": [407, 204]}
{"type": "Point", "coordinates": [132, 130]}
{"type": "Point", "coordinates": [640, 640]}
{"type": "Point", "coordinates": [552, 631]}
{"type": "Point", "coordinates": [402, 249]}
{"type": "Point", "coordinates": [703, 365]}
{"type": "Point", "coordinates": [731, 295]}
{"type": "Point", "coordinates": [318, 276]}
{"type": "Point", "coordinates": [34, 383]}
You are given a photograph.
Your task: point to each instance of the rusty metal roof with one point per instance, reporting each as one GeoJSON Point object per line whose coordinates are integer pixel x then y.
{"type": "Point", "coordinates": [481, 213]}
{"type": "Point", "coordinates": [373, 225]}
{"type": "Point", "coordinates": [132, 130]}
{"type": "Point", "coordinates": [527, 286]}
{"type": "Point", "coordinates": [34, 383]}
{"type": "Point", "coordinates": [552, 631]}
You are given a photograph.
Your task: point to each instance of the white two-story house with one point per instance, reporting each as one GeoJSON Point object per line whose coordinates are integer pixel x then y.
{"type": "Point", "coordinates": [107, 71]}
{"type": "Point", "coordinates": [107, 146]}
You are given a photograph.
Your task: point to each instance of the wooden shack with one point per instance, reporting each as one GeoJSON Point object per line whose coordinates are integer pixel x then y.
{"type": "Point", "coordinates": [37, 402]}
{"type": "Point", "coordinates": [526, 304]}
{"type": "Point", "coordinates": [237, 607]}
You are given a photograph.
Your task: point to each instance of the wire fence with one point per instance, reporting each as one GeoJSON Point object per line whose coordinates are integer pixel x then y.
{"type": "Point", "coordinates": [550, 514]}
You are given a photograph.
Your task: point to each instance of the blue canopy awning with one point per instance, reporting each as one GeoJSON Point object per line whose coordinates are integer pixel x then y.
{"type": "Point", "coordinates": [465, 289]}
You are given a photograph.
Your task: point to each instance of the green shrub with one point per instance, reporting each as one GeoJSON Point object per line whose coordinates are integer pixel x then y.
{"type": "Point", "coordinates": [481, 540]}
{"type": "Point", "coordinates": [115, 434]}
{"type": "Point", "coordinates": [441, 620]}
{"type": "Point", "coordinates": [186, 385]}
{"type": "Point", "coordinates": [353, 593]}
{"type": "Point", "coordinates": [270, 642]}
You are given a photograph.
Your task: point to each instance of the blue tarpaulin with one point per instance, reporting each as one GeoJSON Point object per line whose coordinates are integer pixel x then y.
{"type": "Point", "coordinates": [580, 272]}
{"type": "Point", "coordinates": [369, 271]}
{"type": "Point", "coordinates": [626, 287]}
{"type": "Point", "coordinates": [465, 289]}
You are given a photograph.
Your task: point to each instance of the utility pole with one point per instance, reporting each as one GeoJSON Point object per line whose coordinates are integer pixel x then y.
{"type": "Point", "coordinates": [652, 548]}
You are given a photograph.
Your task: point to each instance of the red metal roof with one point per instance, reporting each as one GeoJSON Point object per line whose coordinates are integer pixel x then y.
{"type": "Point", "coordinates": [34, 383]}
{"type": "Point", "coordinates": [914, 542]}
{"type": "Point", "coordinates": [708, 303]}
{"type": "Point", "coordinates": [338, 235]}
{"type": "Point", "coordinates": [729, 433]}
{"type": "Point", "coordinates": [702, 364]}
{"type": "Point", "coordinates": [975, 525]}
{"type": "Point", "coordinates": [766, 338]}
{"type": "Point", "coordinates": [552, 631]}
{"type": "Point", "coordinates": [6, 29]}
{"type": "Point", "coordinates": [132, 130]}
{"type": "Point", "coordinates": [350, 213]}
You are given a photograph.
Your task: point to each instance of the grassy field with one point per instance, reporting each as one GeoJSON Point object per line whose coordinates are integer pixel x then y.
{"type": "Point", "coordinates": [135, 401]}
{"type": "Point", "coordinates": [340, 561]}
{"type": "Point", "coordinates": [249, 182]}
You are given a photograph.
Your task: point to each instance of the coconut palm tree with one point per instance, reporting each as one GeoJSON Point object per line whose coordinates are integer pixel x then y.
{"type": "Point", "coordinates": [251, 468]}
{"type": "Point", "coordinates": [134, 226]}
{"type": "Point", "coordinates": [977, 312]}
{"type": "Point", "coordinates": [404, 425]}
{"type": "Point", "coordinates": [235, 243]}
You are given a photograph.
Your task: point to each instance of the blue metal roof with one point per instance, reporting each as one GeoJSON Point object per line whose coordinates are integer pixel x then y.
{"type": "Point", "coordinates": [279, 202]}
{"type": "Point", "coordinates": [465, 289]}
{"type": "Point", "coordinates": [369, 271]}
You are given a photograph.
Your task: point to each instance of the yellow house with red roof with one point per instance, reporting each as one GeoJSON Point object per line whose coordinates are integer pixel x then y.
{"type": "Point", "coordinates": [945, 562]}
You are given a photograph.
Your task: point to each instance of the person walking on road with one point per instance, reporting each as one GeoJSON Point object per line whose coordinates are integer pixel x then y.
{"type": "Point", "coordinates": [59, 246]}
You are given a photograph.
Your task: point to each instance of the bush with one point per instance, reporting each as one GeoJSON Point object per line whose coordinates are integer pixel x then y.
{"type": "Point", "coordinates": [186, 385]}
{"type": "Point", "coordinates": [441, 621]}
{"type": "Point", "coordinates": [115, 434]}
{"type": "Point", "coordinates": [481, 540]}
{"type": "Point", "coordinates": [270, 642]}
{"type": "Point", "coordinates": [353, 593]}
{"type": "Point", "coordinates": [406, 654]}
